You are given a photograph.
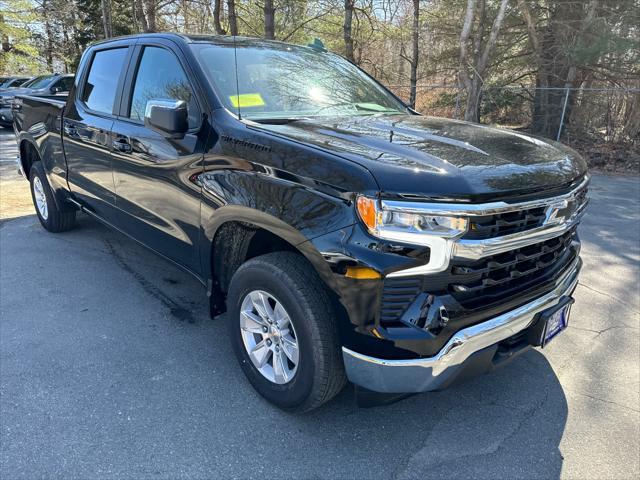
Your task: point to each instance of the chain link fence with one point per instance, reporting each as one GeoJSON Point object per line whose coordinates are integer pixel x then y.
{"type": "Point", "coordinates": [601, 123]}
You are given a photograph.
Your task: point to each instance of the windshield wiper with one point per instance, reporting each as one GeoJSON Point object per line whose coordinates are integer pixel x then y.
{"type": "Point", "coordinates": [276, 120]}
{"type": "Point", "coordinates": [374, 107]}
{"type": "Point", "coordinates": [369, 107]}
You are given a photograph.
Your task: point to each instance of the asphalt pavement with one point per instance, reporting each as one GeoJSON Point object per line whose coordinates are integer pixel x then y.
{"type": "Point", "coordinates": [110, 367]}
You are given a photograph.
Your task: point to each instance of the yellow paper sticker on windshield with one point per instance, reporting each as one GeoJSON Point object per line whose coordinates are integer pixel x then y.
{"type": "Point", "coordinates": [247, 100]}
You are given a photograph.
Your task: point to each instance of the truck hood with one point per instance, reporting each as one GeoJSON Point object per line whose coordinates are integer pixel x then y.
{"type": "Point", "coordinates": [417, 156]}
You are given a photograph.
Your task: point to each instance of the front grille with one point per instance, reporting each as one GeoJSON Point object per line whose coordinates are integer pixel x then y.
{"type": "Point", "coordinates": [469, 289]}
{"type": "Point", "coordinates": [476, 285]}
{"type": "Point", "coordinates": [506, 223]}
{"type": "Point", "coordinates": [510, 222]}
{"type": "Point", "coordinates": [483, 282]}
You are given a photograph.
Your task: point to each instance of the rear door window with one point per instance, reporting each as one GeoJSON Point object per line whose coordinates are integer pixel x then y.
{"type": "Point", "coordinates": [100, 89]}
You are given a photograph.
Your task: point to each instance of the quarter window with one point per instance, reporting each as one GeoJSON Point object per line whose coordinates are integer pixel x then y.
{"type": "Point", "coordinates": [99, 93]}
{"type": "Point", "coordinates": [161, 77]}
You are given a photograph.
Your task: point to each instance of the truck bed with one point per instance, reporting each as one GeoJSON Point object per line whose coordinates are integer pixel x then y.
{"type": "Point", "coordinates": [41, 111]}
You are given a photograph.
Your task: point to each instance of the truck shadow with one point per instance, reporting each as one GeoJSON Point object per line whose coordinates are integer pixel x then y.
{"type": "Point", "coordinates": [189, 408]}
{"type": "Point", "coordinates": [505, 424]}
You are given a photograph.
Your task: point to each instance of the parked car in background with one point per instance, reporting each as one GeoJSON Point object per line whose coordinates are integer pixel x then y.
{"type": "Point", "coordinates": [12, 82]}
{"type": "Point", "coordinates": [347, 236]}
{"type": "Point", "coordinates": [55, 84]}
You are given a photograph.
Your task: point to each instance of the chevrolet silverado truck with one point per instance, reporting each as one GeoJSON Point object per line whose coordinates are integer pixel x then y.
{"type": "Point", "coordinates": [346, 236]}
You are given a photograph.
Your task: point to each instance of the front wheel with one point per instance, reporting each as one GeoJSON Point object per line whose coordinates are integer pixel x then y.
{"type": "Point", "coordinates": [283, 331]}
{"type": "Point", "coordinates": [51, 217]}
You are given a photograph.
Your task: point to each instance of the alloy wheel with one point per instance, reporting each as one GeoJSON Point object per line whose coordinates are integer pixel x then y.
{"type": "Point", "coordinates": [41, 198]}
{"type": "Point", "coordinates": [269, 337]}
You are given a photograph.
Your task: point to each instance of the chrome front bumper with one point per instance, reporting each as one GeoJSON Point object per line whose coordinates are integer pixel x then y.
{"type": "Point", "coordinates": [426, 374]}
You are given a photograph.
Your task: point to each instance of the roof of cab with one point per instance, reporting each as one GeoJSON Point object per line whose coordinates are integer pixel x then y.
{"type": "Point", "coordinates": [201, 38]}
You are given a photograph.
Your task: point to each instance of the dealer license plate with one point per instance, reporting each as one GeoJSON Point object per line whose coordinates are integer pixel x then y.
{"type": "Point", "coordinates": [556, 323]}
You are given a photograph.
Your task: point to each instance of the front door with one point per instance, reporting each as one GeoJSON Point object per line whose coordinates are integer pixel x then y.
{"type": "Point", "coordinates": [157, 198]}
{"type": "Point", "coordinates": [87, 127]}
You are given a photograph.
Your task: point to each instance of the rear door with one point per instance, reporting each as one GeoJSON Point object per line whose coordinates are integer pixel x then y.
{"type": "Point", "coordinates": [87, 126]}
{"type": "Point", "coordinates": [157, 197]}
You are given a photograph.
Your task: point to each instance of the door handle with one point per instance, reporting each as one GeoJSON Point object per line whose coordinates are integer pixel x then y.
{"type": "Point", "coordinates": [121, 145]}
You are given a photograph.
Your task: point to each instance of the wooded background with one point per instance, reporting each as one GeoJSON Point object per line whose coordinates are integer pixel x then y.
{"type": "Point", "coordinates": [567, 69]}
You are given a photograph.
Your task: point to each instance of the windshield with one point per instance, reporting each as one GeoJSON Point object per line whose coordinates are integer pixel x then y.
{"type": "Point", "coordinates": [285, 81]}
{"type": "Point", "coordinates": [39, 82]}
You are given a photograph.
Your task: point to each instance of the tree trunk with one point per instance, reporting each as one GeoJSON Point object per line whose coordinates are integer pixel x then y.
{"type": "Point", "coordinates": [474, 80]}
{"type": "Point", "coordinates": [415, 33]}
{"type": "Point", "coordinates": [465, 33]}
{"type": "Point", "coordinates": [5, 43]}
{"type": "Point", "coordinates": [185, 17]}
{"type": "Point", "coordinates": [567, 27]}
{"type": "Point", "coordinates": [49, 36]}
{"type": "Point", "coordinates": [150, 8]}
{"type": "Point", "coordinates": [140, 17]}
{"type": "Point", "coordinates": [347, 29]}
{"type": "Point", "coordinates": [233, 20]}
{"type": "Point", "coordinates": [77, 49]}
{"type": "Point", "coordinates": [106, 18]}
{"type": "Point", "coordinates": [217, 24]}
{"type": "Point", "coordinates": [269, 20]}
{"type": "Point", "coordinates": [531, 26]}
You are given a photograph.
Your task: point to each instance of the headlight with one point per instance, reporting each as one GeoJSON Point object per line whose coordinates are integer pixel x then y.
{"type": "Point", "coordinates": [409, 226]}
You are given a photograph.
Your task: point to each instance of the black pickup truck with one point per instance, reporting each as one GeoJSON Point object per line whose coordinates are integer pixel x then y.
{"type": "Point", "coordinates": [347, 236]}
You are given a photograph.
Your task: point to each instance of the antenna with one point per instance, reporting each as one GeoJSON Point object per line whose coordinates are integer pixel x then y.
{"type": "Point", "coordinates": [317, 45]}
{"type": "Point", "coordinates": [235, 58]}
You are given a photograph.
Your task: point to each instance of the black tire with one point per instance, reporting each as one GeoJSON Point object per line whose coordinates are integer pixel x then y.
{"type": "Point", "coordinates": [57, 220]}
{"type": "Point", "coordinates": [320, 372]}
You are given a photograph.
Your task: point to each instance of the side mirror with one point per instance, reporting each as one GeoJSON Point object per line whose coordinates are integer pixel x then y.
{"type": "Point", "coordinates": [167, 117]}
{"type": "Point", "coordinates": [55, 90]}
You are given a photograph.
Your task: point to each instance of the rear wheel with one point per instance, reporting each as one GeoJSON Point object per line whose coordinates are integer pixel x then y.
{"type": "Point", "coordinates": [51, 217]}
{"type": "Point", "coordinates": [283, 331]}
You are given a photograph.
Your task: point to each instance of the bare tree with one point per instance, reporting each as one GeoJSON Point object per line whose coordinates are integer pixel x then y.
{"type": "Point", "coordinates": [48, 29]}
{"type": "Point", "coordinates": [150, 10]}
{"type": "Point", "coordinates": [473, 68]}
{"type": "Point", "coordinates": [141, 20]}
{"type": "Point", "coordinates": [5, 43]}
{"type": "Point", "coordinates": [233, 19]}
{"type": "Point", "coordinates": [567, 27]}
{"type": "Point", "coordinates": [217, 13]}
{"type": "Point", "coordinates": [269, 20]}
{"type": "Point", "coordinates": [106, 18]}
{"type": "Point", "coordinates": [349, 7]}
{"type": "Point", "coordinates": [415, 34]}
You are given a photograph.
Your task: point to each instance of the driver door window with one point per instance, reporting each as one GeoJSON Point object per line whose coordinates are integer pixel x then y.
{"type": "Point", "coordinates": [160, 76]}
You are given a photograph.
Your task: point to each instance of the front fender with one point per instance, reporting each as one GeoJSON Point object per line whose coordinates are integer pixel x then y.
{"type": "Point", "coordinates": [290, 211]}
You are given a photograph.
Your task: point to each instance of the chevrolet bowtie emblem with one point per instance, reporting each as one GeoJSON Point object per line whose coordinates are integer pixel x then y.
{"type": "Point", "coordinates": [560, 212]}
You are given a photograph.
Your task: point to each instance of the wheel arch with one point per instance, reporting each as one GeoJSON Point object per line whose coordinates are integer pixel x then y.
{"type": "Point", "coordinates": [29, 154]}
{"type": "Point", "coordinates": [240, 233]}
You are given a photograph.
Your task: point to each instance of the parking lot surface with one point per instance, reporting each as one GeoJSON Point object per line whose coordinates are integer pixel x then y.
{"type": "Point", "coordinates": [110, 367]}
